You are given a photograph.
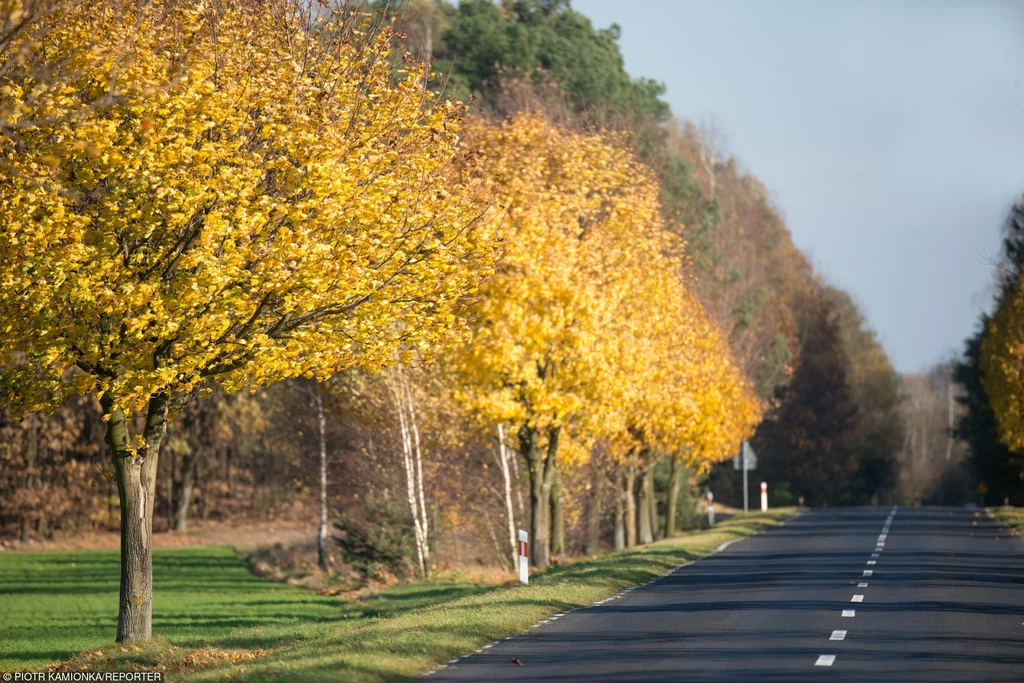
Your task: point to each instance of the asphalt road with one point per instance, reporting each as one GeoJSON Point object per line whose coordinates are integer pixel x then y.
{"type": "Point", "coordinates": [944, 601]}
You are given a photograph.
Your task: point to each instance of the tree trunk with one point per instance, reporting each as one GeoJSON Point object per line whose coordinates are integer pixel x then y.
{"type": "Point", "coordinates": [557, 514]}
{"type": "Point", "coordinates": [518, 489]}
{"type": "Point", "coordinates": [646, 490]}
{"type": "Point", "coordinates": [630, 499]}
{"type": "Point", "coordinates": [593, 542]}
{"type": "Point", "coordinates": [541, 472]}
{"type": "Point", "coordinates": [530, 451]}
{"type": "Point", "coordinates": [653, 498]}
{"type": "Point", "coordinates": [321, 421]}
{"type": "Point", "coordinates": [503, 461]}
{"type": "Point", "coordinates": [620, 512]}
{"type": "Point", "coordinates": [410, 482]}
{"type": "Point", "coordinates": [136, 486]}
{"type": "Point", "coordinates": [424, 521]}
{"type": "Point", "coordinates": [169, 489]}
{"type": "Point", "coordinates": [673, 497]}
{"type": "Point", "coordinates": [185, 489]}
{"type": "Point", "coordinates": [550, 468]}
{"type": "Point", "coordinates": [31, 456]}
{"type": "Point", "coordinates": [502, 558]}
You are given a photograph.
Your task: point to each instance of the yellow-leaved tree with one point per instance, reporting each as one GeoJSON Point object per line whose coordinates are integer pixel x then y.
{"type": "Point", "coordinates": [568, 199]}
{"type": "Point", "coordinates": [1002, 367]}
{"type": "Point", "coordinates": [261, 197]}
{"type": "Point", "coordinates": [587, 330]}
{"type": "Point", "coordinates": [674, 389]}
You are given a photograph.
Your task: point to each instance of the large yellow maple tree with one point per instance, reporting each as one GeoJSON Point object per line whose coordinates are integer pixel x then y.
{"type": "Point", "coordinates": [260, 197]}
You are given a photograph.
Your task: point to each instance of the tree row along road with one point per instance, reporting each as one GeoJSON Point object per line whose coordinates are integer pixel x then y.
{"type": "Point", "coordinates": [894, 594]}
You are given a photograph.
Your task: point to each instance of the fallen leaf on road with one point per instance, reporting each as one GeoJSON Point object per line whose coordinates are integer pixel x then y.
{"type": "Point", "coordinates": [515, 660]}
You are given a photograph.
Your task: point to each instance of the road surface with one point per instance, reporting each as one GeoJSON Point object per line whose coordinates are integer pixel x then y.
{"type": "Point", "coordinates": [854, 594]}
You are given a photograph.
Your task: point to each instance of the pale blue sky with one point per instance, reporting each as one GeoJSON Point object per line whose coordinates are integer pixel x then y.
{"type": "Point", "coordinates": [891, 135]}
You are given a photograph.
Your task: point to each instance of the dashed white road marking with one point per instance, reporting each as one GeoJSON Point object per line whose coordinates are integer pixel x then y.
{"type": "Point", "coordinates": [838, 635]}
{"type": "Point", "coordinates": [871, 562]}
{"type": "Point", "coordinates": [862, 584]}
{"type": "Point", "coordinates": [849, 613]}
{"type": "Point", "coordinates": [857, 598]}
{"type": "Point", "coordinates": [825, 660]}
{"type": "Point", "coordinates": [875, 555]}
{"type": "Point", "coordinates": [868, 572]}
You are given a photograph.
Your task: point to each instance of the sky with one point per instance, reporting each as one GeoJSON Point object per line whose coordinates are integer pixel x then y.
{"type": "Point", "coordinates": [891, 135]}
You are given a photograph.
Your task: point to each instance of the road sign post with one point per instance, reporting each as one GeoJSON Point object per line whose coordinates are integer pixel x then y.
{"type": "Point", "coordinates": [746, 468]}
{"type": "Point", "coordinates": [764, 496]}
{"type": "Point", "coordinates": [746, 460]}
{"type": "Point", "coordinates": [524, 557]}
{"type": "Point", "coordinates": [711, 509]}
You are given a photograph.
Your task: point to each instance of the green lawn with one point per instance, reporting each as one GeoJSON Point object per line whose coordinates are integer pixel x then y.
{"type": "Point", "coordinates": [1012, 517]}
{"type": "Point", "coordinates": [56, 605]}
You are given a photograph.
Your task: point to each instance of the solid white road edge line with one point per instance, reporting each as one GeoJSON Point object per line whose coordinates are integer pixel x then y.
{"type": "Point", "coordinates": [725, 545]}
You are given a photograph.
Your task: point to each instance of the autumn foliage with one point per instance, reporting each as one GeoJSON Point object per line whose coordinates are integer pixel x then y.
{"type": "Point", "coordinates": [588, 330]}
{"type": "Point", "coordinates": [208, 208]}
{"type": "Point", "coordinates": [261, 197]}
{"type": "Point", "coordinates": [1002, 362]}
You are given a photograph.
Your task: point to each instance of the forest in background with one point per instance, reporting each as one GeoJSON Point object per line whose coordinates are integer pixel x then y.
{"type": "Point", "coordinates": [411, 458]}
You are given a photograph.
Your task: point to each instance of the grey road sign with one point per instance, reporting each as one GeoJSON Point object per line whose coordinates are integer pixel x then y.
{"type": "Point", "coordinates": [751, 456]}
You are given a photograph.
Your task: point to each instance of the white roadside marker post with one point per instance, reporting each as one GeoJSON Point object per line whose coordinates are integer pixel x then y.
{"type": "Point", "coordinates": [524, 557]}
{"type": "Point", "coordinates": [764, 496]}
{"type": "Point", "coordinates": [711, 509]}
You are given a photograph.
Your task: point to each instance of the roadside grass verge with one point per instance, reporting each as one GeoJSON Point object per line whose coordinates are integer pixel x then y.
{"type": "Point", "coordinates": [54, 605]}
{"type": "Point", "coordinates": [1012, 517]}
{"type": "Point", "coordinates": [215, 620]}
